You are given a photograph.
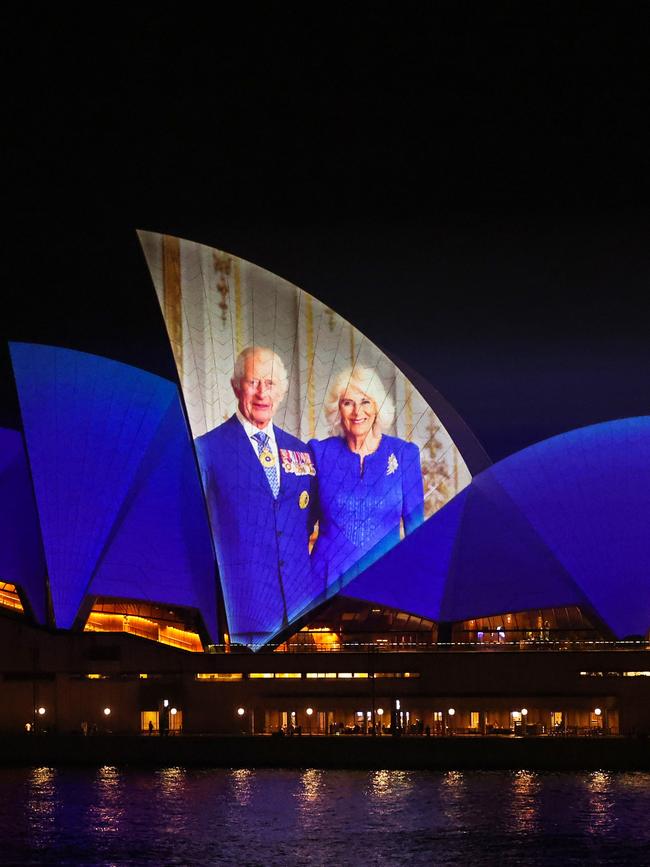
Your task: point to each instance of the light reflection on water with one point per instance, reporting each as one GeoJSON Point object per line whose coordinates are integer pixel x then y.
{"type": "Point", "coordinates": [311, 783]}
{"type": "Point", "coordinates": [241, 785]}
{"type": "Point", "coordinates": [106, 809]}
{"type": "Point", "coordinates": [602, 814]}
{"type": "Point", "coordinates": [182, 816]}
{"type": "Point", "coordinates": [452, 800]}
{"type": "Point", "coordinates": [524, 803]}
{"type": "Point", "coordinates": [41, 805]}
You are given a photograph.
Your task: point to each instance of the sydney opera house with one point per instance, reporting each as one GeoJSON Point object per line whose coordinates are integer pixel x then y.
{"type": "Point", "coordinates": [358, 566]}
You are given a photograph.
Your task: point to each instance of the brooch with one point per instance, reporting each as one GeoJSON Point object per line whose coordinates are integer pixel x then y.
{"type": "Point", "coordinates": [392, 465]}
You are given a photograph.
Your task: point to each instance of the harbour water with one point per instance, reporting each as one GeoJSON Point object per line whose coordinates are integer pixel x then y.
{"type": "Point", "coordinates": [177, 816]}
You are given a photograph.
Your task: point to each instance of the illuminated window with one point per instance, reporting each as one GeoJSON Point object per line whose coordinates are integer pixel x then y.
{"type": "Point", "coordinates": [288, 674]}
{"type": "Point", "coordinates": [615, 674]}
{"type": "Point", "coordinates": [345, 675]}
{"type": "Point", "coordinates": [397, 674]}
{"type": "Point", "coordinates": [254, 675]}
{"type": "Point", "coordinates": [9, 597]}
{"type": "Point", "coordinates": [148, 717]}
{"type": "Point", "coordinates": [217, 675]}
{"type": "Point", "coordinates": [111, 617]}
{"type": "Point", "coordinates": [361, 674]}
{"type": "Point", "coordinates": [474, 719]}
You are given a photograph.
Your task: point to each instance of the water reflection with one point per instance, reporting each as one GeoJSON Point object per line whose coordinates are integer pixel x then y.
{"type": "Point", "coordinates": [389, 792]}
{"type": "Point", "coordinates": [311, 786]}
{"type": "Point", "coordinates": [107, 811]}
{"type": "Point", "coordinates": [380, 783]}
{"type": "Point", "coordinates": [180, 816]}
{"type": "Point", "coordinates": [313, 802]}
{"type": "Point", "coordinates": [172, 782]}
{"type": "Point", "coordinates": [241, 779]}
{"type": "Point", "coordinates": [390, 784]}
{"type": "Point", "coordinates": [41, 805]}
{"type": "Point", "coordinates": [452, 796]}
{"type": "Point", "coordinates": [602, 816]}
{"type": "Point", "coordinates": [523, 812]}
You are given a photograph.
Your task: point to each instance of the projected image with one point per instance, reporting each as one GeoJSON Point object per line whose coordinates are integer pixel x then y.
{"type": "Point", "coordinates": [317, 455]}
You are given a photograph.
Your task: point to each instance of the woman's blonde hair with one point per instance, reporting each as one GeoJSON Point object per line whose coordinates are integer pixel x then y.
{"type": "Point", "coordinates": [367, 381]}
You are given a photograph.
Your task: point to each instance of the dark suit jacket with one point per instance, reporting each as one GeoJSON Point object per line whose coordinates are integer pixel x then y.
{"type": "Point", "coordinates": [261, 543]}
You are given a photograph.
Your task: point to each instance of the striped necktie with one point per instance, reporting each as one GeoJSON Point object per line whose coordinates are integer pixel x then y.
{"type": "Point", "coordinates": [268, 462]}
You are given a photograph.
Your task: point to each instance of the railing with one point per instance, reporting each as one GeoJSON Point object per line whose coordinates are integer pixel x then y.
{"type": "Point", "coordinates": [443, 647]}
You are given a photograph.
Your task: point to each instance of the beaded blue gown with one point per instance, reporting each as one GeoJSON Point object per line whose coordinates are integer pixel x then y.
{"type": "Point", "coordinates": [361, 507]}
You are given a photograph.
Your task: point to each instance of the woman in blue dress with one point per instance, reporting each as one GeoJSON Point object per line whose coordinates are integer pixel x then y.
{"type": "Point", "coordinates": [369, 483]}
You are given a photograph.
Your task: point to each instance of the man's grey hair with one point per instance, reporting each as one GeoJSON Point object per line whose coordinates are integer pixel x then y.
{"type": "Point", "coordinates": [279, 370]}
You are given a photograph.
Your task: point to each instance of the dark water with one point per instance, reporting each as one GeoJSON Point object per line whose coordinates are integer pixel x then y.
{"type": "Point", "coordinates": [114, 816]}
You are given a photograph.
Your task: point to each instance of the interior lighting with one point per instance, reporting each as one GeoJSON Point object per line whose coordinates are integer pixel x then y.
{"type": "Point", "coordinates": [451, 711]}
{"type": "Point", "coordinates": [240, 711]}
{"type": "Point", "coordinates": [107, 711]}
{"type": "Point", "coordinates": [597, 711]}
{"type": "Point", "coordinates": [165, 702]}
{"type": "Point", "coordinates": [41, 711]}
{"type": "Point", "coordinates": [173, 711]}
{"type": "Point", "coordinates": [309, 711]}
{"type": "Point", "coordinates": [380, 711]}
{"type": "Point", "coordinates": [524, 711]}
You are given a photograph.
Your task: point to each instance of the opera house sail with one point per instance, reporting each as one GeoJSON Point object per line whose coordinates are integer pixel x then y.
{"type": "Point", "coordinates": [299, 490]}
{"type": "Point", "coordinates": [297, 516]}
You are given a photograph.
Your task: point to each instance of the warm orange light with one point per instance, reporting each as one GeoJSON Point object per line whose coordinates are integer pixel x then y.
{"type": "Point", "coordinates": [9, 597]}
{"type": "Point", "coordinates": [144, 627]}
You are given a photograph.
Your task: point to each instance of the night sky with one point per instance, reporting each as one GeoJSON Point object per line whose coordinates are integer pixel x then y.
{"type": "Point", "coordinates": [470, 189]}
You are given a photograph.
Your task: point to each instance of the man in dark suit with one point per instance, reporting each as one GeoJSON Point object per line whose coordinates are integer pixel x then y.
{"type": "Point", "coordinates": [258, 481]}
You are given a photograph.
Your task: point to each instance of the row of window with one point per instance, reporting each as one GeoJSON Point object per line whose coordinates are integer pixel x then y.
{"type": "Point", "coordinates": [615, 674]}
{"type": "Point", "coordinates": [277, 675]}
{"type": "Point", "coordinates": [214, 676]}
